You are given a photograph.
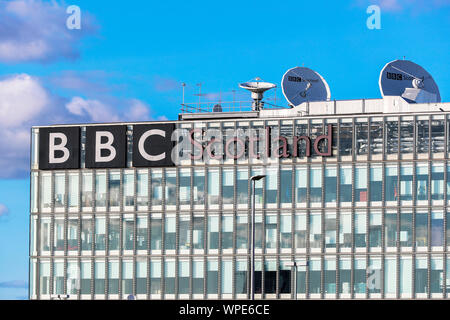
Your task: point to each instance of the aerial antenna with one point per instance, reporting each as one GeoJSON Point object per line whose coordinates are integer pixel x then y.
{"type": "Point", "coordinates": [257, 87]}
{"type": "Point", "coordinates": [301, 84]}
{"type": "Point", "coordinates": [406, 79]}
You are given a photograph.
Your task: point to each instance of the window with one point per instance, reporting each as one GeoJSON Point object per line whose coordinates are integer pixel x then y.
{"type": "Point", "coordinates": [141, 233]}
{"type": "Point", "coordinates": [213, 232]}
{"type": "Point", "coordinates": [345, 271]}
{"type": "Point", "coordinates": [60, 190]}
{"type": "Point", "coordinates": [391, 184]}
{"type": "Point", "coordinates": [437, 182]}
{"type": "Point", "coordinates": [241, 277]}
{"type": "Point", "coordinates": [437, 229]}
{"type": "Point", "coordinates": [375, 229]}
{"type": "Point", "coordinates": [271, 186]}
{"type": "Point", "coordinates": [436, 274]}
{"type": "Point", "coordinates": [34, 192]}
{"type": "Point", "coordinates": [359, 284]}
{"type": "Point", "coordinates": [113, 277]}
{"type": "Point", "coordinates": [421, 229]}
{"type": "Point", "coordinates": [86, 191]}
{"type": "Point", "coordinates": [421, 279]}
{"type": "Point", "coordinates": [73, 190]}
{"type": "Point", "coordinates": [156, 234]}
{"type": "Point", "coordinates": [227, 232]}
{"type": "Point", "coordinates": [242, 185]}
{"type": "Point", "coordinates": [241, 231]}
{"type": "Point", "coordinates": [100, 234]}
{"type": "Point", "coordinates": [58, 277]}
{"type": "Point", "coordinates": [100, 189]}
{"type": "Point", "coordinates": [142, 189]}
{"type": "Point", "coordinates": [169, 277]}
{"type": "Point", "coordinates": [58, 240]}
{"type": "Point", "coordinates": [114, 189]}
{"type": "Point", "coordinates": [99, 275]}
{"type": "Point", "coordinates": [45, 234]}
{"type": "Point", "coordinates": [316, 230]}
{"type": "Point", "coordinates": [155, 277]}
{"type": "Point", "coordinates": [73, 278]}
{"type": "Point", "coordinates": [345, 139]}
{"type": "Point", "coordinates": [300, 230]}
{"type": "Point", "coordinates": [114, 234]}
{"type": "Point", "coordinates": [199, 187]}
{"type": "Point", "coordinates": [300, 184]}
{"type": "Point", "coordinates": [141, 276]}
{"type": "Point", "coordinates": [185, 186]}
{"type": "Point", "coordinates": [346, 185]}
{"type": "Point", "coordinates": [270, 276]}
{"type": "Point", "coordinates": [170, 189]}
{"type": "Point", "coordinates": [422, 182]}
{"type": "Point", "coordinates": [227, 276]}
{"type": "Point", "coordinates": [156, 184]}
{"type": "Point", "coordinates": [437, 135]}
{"type": "Point", "coordinates": [271, 232]}
{"type": "Point", "coordinates": [286, 185]}
{"type": "Point", "coordinates": [330, 230]}
{"type": "Point", "coordinates": [198, 232]}
{"type": "Point", "coordinates": [406, 229]}
{"type": "Point", "coordinates": [285, 231]}
{"type": "Point", "coordinates": [391, 128]}
{"type": "Point", "coordinates": [330, 184]}
{"type": "Point", "coordinates": [228, 186]}
{"type": "Point", "coordinates": [330, 275]}
{"type": "Point", "coordinates": [213, 186]}
{"type": "Point", "coordinates": [376, 137]}
{"type": "Point", "coordinates": [212, 277]}
{"type": "Point", "coordinates": [316, 185]}
{"type": "Point", "coordinates": [360, 229]}
{"type": "Point", "coordinates": [374, 275]}
{"type": "Point", "coordinates": [405, 275]}
{"type": "Point", "coordinates": [46, 191]}
{"type": "Point", "coordinates": [72, 235]}
{"type": "Point", "coordinates": [170, 233]}
{"type": "Point", "coordinates": [362, 138]}
{"type": "Point", "coordinates": [86, 277]}
{"type": "Point", "coordinates": [183, 277]}
{"type": "Point", "coordinates": [258, 186]}
{"type": "Point", "coordinates": [197, 277]}
{"type": "Point", "coordinates": [423, 136]}
{"type": "Point", "coordinates": [376, 183]}
{"type": "Point", "coordinates": [128, 189]}
{"type": "Point", "coordinates": [406, 180]}
{"type": "Point", "coordinates": [314, 276]}
{"type": "Point", "coordinates": [128, 234]}
{"type": "Point", "coordinates": [390, 221]}
{"type": "Point", "coordinates": [406, 136]}
{"type": "Point", "coordinates": [44, 277]}
{"type": "Point", "coordinates": [127, 277]}
{"type": "Point", "coordinates": [390, 275]}
{"type": "Point", "coordinates": [184, 233]}
{"type": "Point", "coordinates": [345, 230]}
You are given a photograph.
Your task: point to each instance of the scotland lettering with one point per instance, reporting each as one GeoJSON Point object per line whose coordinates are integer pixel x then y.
{"type": "Point", "coordinates": [162, 145]}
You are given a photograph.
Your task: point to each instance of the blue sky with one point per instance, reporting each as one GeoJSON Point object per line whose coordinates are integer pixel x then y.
{"type": "Point", "coordinates": [129, 59]}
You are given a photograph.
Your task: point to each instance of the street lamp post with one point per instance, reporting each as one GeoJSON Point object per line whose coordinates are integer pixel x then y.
{"type": "Point", "coordinates": [296, 265]}
{"type": "Point", "coordinates": [252, 236]}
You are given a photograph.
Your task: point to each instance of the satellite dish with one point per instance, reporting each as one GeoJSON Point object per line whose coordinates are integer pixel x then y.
{"type": "Point", "coordinates": [257, 87]}
{"type": "Point", "coordinates": [410, 81]}
{"type": "Point", "coordinates": [302, 84]}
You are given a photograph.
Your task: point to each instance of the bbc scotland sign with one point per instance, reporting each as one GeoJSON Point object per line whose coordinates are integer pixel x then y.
{"type": "Point", "coordinates": [162, 145]}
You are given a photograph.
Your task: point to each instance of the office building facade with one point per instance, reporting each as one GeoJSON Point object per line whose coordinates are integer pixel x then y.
{"type": "Point", "coordinates": [368, 221]}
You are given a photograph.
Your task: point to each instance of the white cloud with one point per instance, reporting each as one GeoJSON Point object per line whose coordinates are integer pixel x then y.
{"type": "Point", "coordinates": [3, 210]}
{"type": "Point", "coordinates": [35, 30]}
{"type": "Point", "coordinates": [400, 5]}
{"type": "Point", "coordinates": [25, 102]}
{"type": "Point", "coordinates": [22, 99]}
